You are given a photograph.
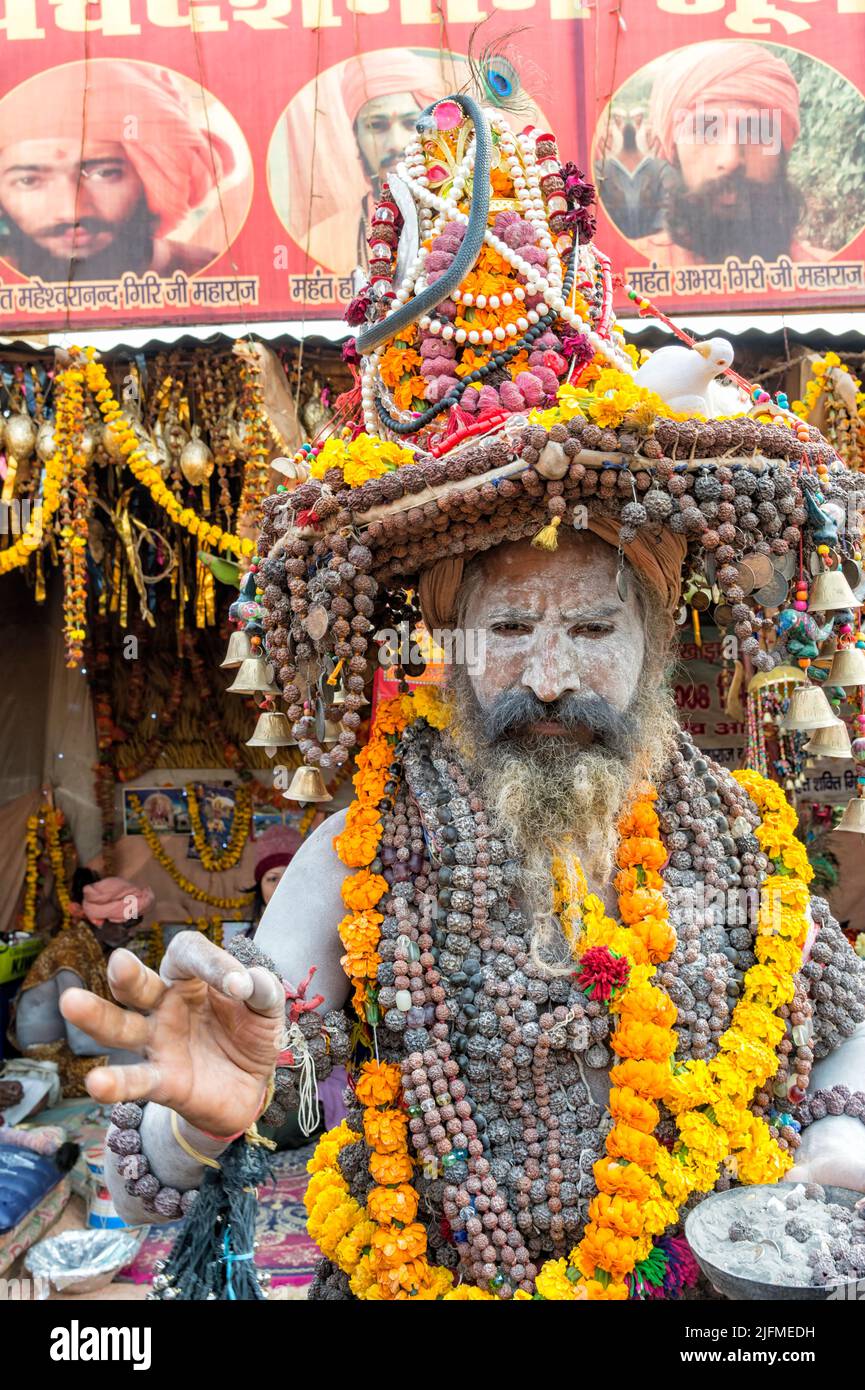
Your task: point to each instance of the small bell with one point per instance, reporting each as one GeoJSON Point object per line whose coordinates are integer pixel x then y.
{"type": "Point", "coordinates": [848, 667]}
{"type": "Point", "coordinates": [832, 741]}
{"type": "Point", "coordinates": [830, 592]}
{"type": "Point", "coordinates": [808, 709]}
{"type": "Point", "coordinates": [239, 650]}
{"type": "Point", "coordinates": [332, 731]}
{"type": "Point", "coordinates": [853, 818]}
{"type": "Point", "coordinates": [253, 675]}
{"type": "Point", "coordinates": [307, 784]}
{"type": "Point", "coordinates": [271, 732]}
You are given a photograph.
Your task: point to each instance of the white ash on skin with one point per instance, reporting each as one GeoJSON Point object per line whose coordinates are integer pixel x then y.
{"type": "Point", "coordinates": [798, 1239]}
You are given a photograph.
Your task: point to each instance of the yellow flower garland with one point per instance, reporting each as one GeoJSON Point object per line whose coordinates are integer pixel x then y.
{"type": "Point", "coordinates": [164, 860]}
{"type": "Point", "coordinates": [641, 1185]}
{"type": "Point", "coordinates": [216, 861]}
{"type": "Point", "coordinates": [53, 822]}
{"type": "Point", "coordinates": [149, 476]}
{"type": "Point", "coordinates": [36, 529]}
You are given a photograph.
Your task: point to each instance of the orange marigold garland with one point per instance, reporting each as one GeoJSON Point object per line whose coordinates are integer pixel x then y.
{"type": "Point", "coordinates": [641, 1184]}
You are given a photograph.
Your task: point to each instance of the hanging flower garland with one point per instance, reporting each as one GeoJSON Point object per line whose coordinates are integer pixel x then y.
{"type": "Point", "coordinates": [217, 861]}
{"type": "Point", "coordinates": [43, 837]}
{"type": "Point", "coordinates": [641, 1184]}
{"type": "Point", "coordinates": [150, 476]}
{"type": "Point", "coordinates": [164, 860]}
{"type": "Point", "coordinates": [256, 470]}
{"type": "Point", "coordinates": [44, 510]}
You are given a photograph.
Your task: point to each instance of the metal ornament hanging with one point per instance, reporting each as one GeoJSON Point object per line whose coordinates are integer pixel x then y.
{"type": "Point", "coordinates": [773, 594]}
{"type": "Point", "coordinates": [196, 460]}
{"type": "Point", "coordinates": [853, 818]}
{"type": "Point", "coordinates": [46, 442]}
{"type": "Point", "coordinates": [316, 622]}
{"type": "Point", "coordinates": [307, 784]}
{"type": "Point", "coordinates": [239, 650]}
{"type": "Point", "coordinates": [20, 436]}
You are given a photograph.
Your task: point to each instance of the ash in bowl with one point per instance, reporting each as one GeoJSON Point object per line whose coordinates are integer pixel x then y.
{"type": "Point", "coordinates": [796, 1237]}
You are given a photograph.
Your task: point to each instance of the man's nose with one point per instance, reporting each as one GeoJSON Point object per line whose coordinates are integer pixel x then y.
{"type": "Point", "coordinates": [550, 672]}
{"type": "Point", "coordinates": [729, 156]}
{"type": "Point", "coordinates": [70, 198]}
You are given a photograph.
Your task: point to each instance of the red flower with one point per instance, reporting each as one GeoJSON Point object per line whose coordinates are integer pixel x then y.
{"type": "Point", "coordinates": [601, 973]}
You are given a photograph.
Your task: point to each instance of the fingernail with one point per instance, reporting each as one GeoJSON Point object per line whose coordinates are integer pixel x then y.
{"type": "Point", "coordinates": [237, 985]}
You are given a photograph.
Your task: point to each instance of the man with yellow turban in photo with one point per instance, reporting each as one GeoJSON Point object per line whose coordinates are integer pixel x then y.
{"type": "Point", "coordinates": [725, 116]}
{"type": "Point", "coordinates": [99, 164]}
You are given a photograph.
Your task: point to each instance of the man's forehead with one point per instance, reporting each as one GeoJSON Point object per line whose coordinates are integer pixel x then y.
{"type": "Point", "coordinates": [56, 153]}
{"type": "Point", "coordinates": [580, 565]}
{"type": "Point", "coordinates": [401, 105]}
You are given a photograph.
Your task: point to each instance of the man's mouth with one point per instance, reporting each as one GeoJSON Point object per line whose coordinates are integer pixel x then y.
{"type": "Point", "coordinates": [76, 238]}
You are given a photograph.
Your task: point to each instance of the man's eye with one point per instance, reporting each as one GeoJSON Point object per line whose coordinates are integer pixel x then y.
{"type": "Point", "coordinates": [27, 181]}
{"type": "Point", "coordinates": [108, 173]}
{"type": "Point", "coordinates": [511, 629]}
{"type": "Point", "coordinates": [591, 630]}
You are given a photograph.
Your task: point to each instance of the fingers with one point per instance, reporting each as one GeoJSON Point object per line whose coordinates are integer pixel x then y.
{"type": "Point", "coordinates": [132, 983]}
{"type": "Point", "coordinates": [268, 995]}
{"type": "Point", "coordinates": [110, 1085]}
{"type": "Point", "coordinates": [190, 956]}
{"type": "Point", "coordinates": [104, 1021]}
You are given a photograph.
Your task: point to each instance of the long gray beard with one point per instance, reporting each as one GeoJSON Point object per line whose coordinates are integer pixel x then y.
{"type": "Point", "coordinates": [544, 793]}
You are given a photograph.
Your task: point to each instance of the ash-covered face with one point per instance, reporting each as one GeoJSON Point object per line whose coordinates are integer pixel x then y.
{"type": "Point", "coordinates": [563, 652]}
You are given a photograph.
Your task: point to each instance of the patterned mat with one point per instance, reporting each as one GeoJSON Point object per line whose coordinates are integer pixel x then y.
{"type": "Point", "coordinates": [285, 1249]}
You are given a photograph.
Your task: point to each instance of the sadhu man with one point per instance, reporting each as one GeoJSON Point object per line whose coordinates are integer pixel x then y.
{"type": "Point", "coordinates": [99, 165]}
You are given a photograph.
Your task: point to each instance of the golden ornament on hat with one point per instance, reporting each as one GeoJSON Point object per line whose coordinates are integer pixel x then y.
{"type": "Point", "coordinates": [829, 592]}
{"type": "Point", "coordinates": [853, 818]}
{"type": "Point", "coordinates": [808, 709]}
{"type": "Point", "coordinates": [832, 741]}
{"type": "Point", "coordinates": [253, 674]}
{"type": "Point", "coordinates": [307, 784]}
{"type": "Point", "coordinates": [196, 460]}
{"type": "Point", "coordinates": [239, 650]}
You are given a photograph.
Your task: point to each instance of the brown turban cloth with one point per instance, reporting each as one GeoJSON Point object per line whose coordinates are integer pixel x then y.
{"type": "Point", "coordinates": [659, 561]}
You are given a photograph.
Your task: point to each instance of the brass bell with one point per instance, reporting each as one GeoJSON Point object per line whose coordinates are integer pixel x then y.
{"type": "Point", "coordinates": [829, 592]}
{"type": "Point", "coordinates": [832, 741]}
{"type": "Point", "coordinates": [307, 784]}
{"type": "Point", "coordinates": [339, 699]}
{"type": "Point", "coordinates": [239, 650]}
{"type": "Point", "coordinates": [332, 731]}
{"type": "Point", "coordinates": [253, 675]}
{"type": "Point", "coordinates": [20, 436]}
{"type": "Point", "coordinates": [808, 709]}
{"type": "Point", "coordinates": [854, 816]}
{"type": "Point", "coordinates": [848, 667]}
{"type": "Point", "coordinates": [271, 732]}
{"type": "Point", "coordinates": [196, 460]}
{"type": "Point", "coordinates": [46, 442]}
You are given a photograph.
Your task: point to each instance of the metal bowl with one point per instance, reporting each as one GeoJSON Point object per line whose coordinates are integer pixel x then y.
{"type": "Point", "coordinates": [84, 1261]}
{"type": "Point", "coordinates": [736, 1286]}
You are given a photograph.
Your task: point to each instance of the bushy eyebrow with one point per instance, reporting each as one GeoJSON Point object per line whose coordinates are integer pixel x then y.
{"type": "Point", "coordinates": [525, 615]}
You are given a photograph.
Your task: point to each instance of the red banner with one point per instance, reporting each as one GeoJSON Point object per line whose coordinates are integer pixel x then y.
{"type": "Point", "coordinates": [171, 161]}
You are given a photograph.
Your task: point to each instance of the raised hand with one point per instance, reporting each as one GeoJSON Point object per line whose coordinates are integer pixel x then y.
{"type": "Point", "coordinates": [210, 1030]}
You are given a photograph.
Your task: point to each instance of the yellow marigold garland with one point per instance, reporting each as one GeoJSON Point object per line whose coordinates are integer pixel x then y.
{"type": "Point", "coordinates": [149, 476]}
{"type": "Point", "coordinates": [31, 875]}
{"type": "Point", "coordinates": [164, 860]}
{"type": "Point", "coordinates": [31, 538]}
{"type": "Point", "coordinates": [641, 1184]}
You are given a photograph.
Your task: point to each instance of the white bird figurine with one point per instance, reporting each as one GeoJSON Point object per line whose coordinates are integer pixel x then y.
{"type": "Point", "coordinates": [682, 376]}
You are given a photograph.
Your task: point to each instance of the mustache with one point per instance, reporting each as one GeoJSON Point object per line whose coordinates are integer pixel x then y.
{"type": "Point", "coordinates": [84, 224]}
{"type": "Point", "coordinates": [516, 709]}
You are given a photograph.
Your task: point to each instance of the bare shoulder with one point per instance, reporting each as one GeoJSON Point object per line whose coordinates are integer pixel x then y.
{"type": "Point", "coordinates": [299, 926]}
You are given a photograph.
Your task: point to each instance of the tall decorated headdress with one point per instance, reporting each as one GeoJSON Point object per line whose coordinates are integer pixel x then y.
{"type": "Point", "coordinates": [497, 400]}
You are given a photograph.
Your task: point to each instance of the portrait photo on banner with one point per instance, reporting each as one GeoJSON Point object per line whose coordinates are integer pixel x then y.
{"type": "Point", "coordinates": [347, 129]}
{"type": "Point", "coordinates": [112, 169]}
{"type": "Point", "coordinates": [718, 151]}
